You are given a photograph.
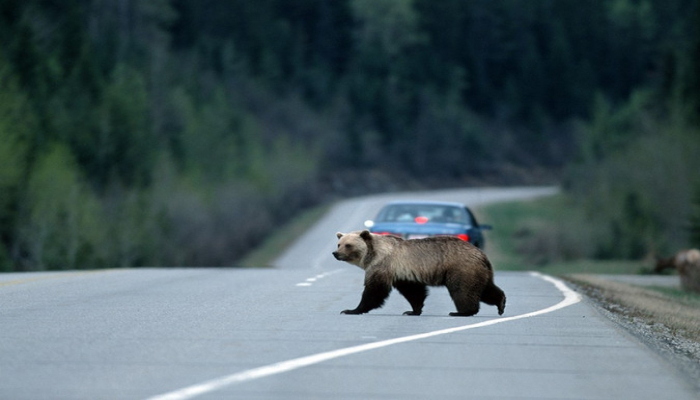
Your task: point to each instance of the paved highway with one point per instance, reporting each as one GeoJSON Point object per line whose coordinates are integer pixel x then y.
{"type": "Point", "coordinates": [277, 334]}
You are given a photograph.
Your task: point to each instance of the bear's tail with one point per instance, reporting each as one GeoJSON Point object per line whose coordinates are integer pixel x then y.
{"type": "Point", "coordinates": [494, 296]}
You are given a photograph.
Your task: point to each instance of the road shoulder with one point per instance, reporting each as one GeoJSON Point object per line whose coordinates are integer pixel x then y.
{"type": "Point", "coordinates": [668, 327]}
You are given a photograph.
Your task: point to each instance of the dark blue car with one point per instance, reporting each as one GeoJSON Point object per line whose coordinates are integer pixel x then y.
{"type": "Point", "coordinates": [419, 219]}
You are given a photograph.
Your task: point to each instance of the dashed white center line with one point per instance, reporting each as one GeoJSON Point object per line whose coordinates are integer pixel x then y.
{"type": "Point", "coordinates": [310, 281]}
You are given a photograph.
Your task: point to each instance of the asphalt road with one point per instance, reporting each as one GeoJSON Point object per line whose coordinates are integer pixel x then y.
{"type": "Point", "coordinates": [277, 334]}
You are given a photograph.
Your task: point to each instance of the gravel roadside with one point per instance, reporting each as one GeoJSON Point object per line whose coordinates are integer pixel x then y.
{"type": "Point", "coordinates": [668, 326]}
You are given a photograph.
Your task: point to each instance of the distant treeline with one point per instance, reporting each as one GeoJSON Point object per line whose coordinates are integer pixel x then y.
{"type": "Point", "coordinates": [180, 132]}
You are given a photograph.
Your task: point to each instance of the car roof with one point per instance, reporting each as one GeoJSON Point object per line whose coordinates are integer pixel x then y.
{"type": "Point", "coordinates": [422, 202]}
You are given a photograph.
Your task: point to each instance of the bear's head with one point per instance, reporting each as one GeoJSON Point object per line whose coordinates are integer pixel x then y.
{"type": "Point", "coordinates": [353, 247]}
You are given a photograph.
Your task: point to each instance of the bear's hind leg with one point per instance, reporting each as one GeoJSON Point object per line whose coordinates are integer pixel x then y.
{"type": "Point", "coordinates": [415, 293]}
{"type": "Point", "coordinates": [494, 296]}
{"type": "Point", "coordinates": [466, 302]}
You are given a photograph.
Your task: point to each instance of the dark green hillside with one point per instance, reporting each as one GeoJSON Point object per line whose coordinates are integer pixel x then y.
{"type": "Point", "coordinates": [181, 132]}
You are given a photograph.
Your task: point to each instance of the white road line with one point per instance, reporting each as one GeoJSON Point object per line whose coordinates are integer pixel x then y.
{"type": "Point", "coordinates": [310, 281]}
{"type": "Point", "coordinates": [570, 298]}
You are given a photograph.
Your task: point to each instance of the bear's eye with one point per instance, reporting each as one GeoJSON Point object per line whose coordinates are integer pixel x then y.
{"type": "Point", "coordinates": [347, 246]}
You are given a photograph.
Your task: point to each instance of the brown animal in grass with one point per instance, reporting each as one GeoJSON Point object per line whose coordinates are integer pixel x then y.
{"type": "Point", "coordinates": [412, 265]}
{"type": "Point", "coordinates": [687, 262]}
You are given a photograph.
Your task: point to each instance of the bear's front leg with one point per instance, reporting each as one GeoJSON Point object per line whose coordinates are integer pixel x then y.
{"type": "Point", "coordinates": [415, 293]}
{"type": "Point", "coordinates": [372, 297]}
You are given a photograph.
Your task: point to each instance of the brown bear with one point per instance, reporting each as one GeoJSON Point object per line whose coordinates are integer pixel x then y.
{"type": "Point", "coordinates": [687, 262]}
{"type": "Point", "coordinates": [412, 265]}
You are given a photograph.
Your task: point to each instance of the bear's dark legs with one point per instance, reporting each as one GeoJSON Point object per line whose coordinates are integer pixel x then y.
{"type": "Point", "coordinates": [415, 293]}
{"type": "Point", "coordinates": [466, 302]}
{"type": "Point", "coordinates": [494, 296]}
{"type": "Point", "coordinates": [372, 297]}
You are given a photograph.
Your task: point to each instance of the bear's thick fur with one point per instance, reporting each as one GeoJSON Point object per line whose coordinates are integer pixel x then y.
{"type": "Point", "coordinates": [412, 265]}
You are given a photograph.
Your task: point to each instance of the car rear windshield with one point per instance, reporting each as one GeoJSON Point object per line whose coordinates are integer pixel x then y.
{"type": "Point", "coordinates": [436, 213]}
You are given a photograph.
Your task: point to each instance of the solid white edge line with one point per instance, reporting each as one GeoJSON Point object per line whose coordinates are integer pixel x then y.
{"type": "Point", "coordinates": [570, 298]}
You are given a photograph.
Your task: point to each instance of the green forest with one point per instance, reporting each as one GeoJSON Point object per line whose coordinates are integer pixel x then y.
{"type": "Point", "coordinates": [182, 132]}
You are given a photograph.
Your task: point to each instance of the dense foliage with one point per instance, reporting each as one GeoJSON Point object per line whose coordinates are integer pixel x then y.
{"type": "Point", "coordinates": [179, 132]}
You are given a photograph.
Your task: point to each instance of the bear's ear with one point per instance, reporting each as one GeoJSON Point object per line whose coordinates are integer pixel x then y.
{"type": "Point", "coordinates": [366, 235]}
{"type": "Point", "coordinates": [339, 234]}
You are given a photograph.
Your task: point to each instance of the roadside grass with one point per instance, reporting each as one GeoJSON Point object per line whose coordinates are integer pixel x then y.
{"type": "Point", "coordinates": [263, 255]}
{"type": "Point", "coordinates": [688, 298]}
{"type": "Point", "coordinates": [512, 245]}
{"type": "Point", "coordinates": [618, 267]}
{"type": "Point", "coordinates": [508, 216]}
{"type": "Point", "coordinates": [509, 221]}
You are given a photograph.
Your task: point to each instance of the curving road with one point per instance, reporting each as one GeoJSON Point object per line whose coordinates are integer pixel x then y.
{"type": "Point", "coordinates": [277, 334]}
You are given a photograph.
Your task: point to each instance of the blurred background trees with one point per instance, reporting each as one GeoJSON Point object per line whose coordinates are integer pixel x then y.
{"type": "Point", "coordinates": [180, 132]}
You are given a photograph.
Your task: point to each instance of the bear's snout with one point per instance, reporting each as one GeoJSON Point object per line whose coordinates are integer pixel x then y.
{"type": "Point", "coordinates": [340, 256]}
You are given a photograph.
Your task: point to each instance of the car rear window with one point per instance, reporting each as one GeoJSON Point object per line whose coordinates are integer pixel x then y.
{"type": "Point", "coordinates": [433, 213]}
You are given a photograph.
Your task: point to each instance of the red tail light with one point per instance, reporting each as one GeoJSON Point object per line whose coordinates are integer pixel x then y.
{"type": "Point", "coordinates": [463, 236]}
